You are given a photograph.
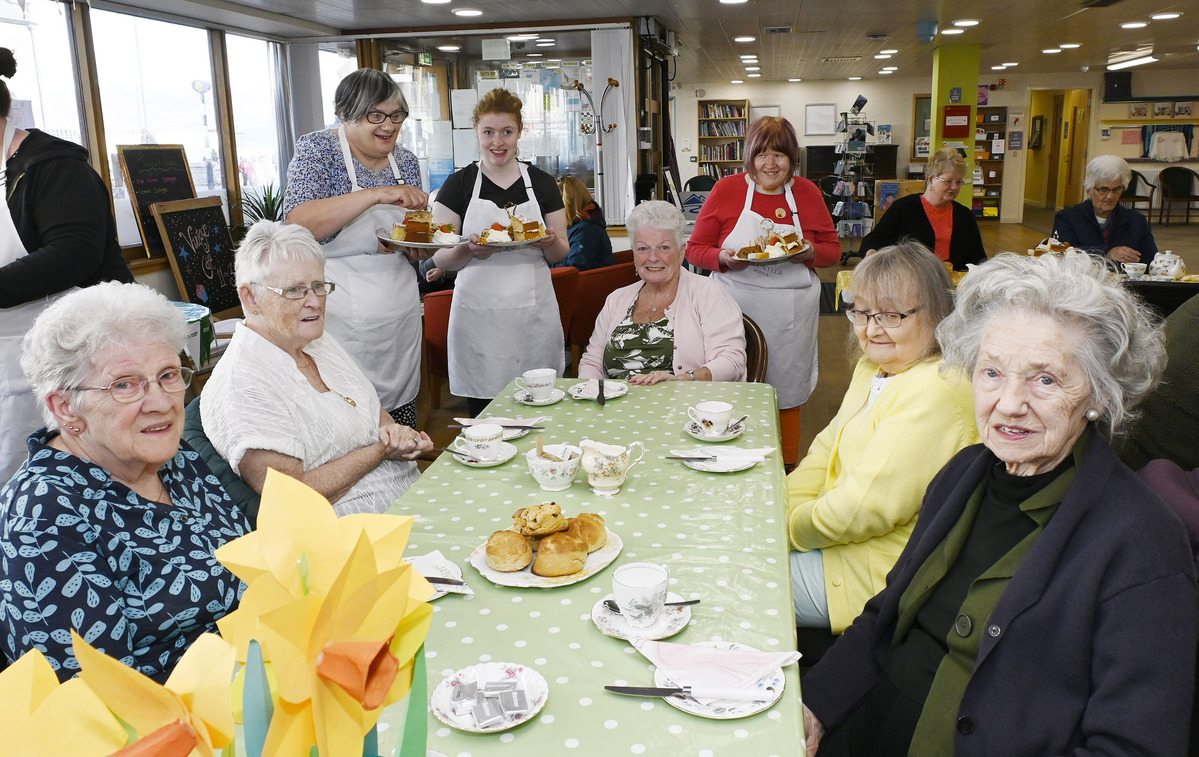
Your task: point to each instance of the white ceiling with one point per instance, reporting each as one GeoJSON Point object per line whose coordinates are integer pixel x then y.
{"type": "Point", "coordinates": [1010, 30]}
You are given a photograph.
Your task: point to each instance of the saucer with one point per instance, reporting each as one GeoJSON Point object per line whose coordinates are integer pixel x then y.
{"type": "Point", "coordinates": [722, 709]}
{"type": "Point", "coordinates": [524, 398]}
{"type": "Point", "coordinates": [507, 452]}
{"type": "Point", "coordinates": [671, 621]}
{"type": "Point", "coordinates": [588, 390]}
{"type": "Point", "coordinates": [537, 690]}
{"type": "Point", "coordinates": [693, 428]}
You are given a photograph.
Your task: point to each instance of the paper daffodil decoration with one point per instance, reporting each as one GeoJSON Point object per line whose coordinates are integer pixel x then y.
{"type": "Point", "coordinates": [337, 611]}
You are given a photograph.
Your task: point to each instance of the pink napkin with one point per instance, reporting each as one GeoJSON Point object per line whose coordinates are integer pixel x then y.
{"type": "Point", "coordinates": [695, 665]}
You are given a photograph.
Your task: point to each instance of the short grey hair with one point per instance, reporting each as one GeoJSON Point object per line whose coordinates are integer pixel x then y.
{"type": "Point", "coordinates": [1106, 168]}
{"type": "Point", "coordinates": [660, 216]}
{"type": "Point", "coordinates": [58, 352]}
{"type": "Point", "coordinates": [901, 277]}
{"type": "Point", "coordinates": [361, 91]}
{"type": "Point", "coordinates": [1122, 350]}
{"type": "Point", "coordinates": [270, 246]}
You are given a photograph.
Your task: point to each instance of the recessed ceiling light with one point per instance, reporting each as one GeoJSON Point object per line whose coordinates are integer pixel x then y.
{"type": "Point", "coordinates": [434, 2]}
{"type": "Point", "coordinates": [753, 68]}
{"type": "Point", "coordinates": [795, 80]}
{"type": "Point", "coordinates": [953, 31]}
{"type": "Point", "coordinates": [745, 39]}
{"type": "Point", "coordinates": [1069, 45]}
{"type": "Point", "coordinates": [1131, 63]}
{"type": "Point", "coordinates": [1009, 65]}
{"type": "Point", "coordinates": [1134, 25]}
{"type": "Point", "coordinates": [737, 81]}
{"type": "Point", "coordinates": [747, 55]}
{"type": "Point", "coordinates": [536, 55]}
{"type": "Point", "coordinates": [546, 44]}
{"type": "Point", "coordinates": [1051, 51]}
{"type": "Point", "coordinates": [888, 52]}
{"type": "Point", "coordinates": [449, 48]}
{"type": "Point", "coordinates": [886, 73]}
{"type": "Point", "coordinates": [1164, 16]}
{"type": "Point", "coordinates": [882, 56]}
{"type": "Point", "coordinates": [998, 68]}
{"type": "Point", "coordinates": [753, 76]}
{"type": "Point", "coordinates": [467, 12]}
{"type": "Point", "coordinates": [855, 78]}
{"type": "Point", "coordinates": [890, 68]}
{"type": "Point", "coordinates": [966, 22]}
{"type": "Point", "coordinates": [519, 37]}
{"type": "Point", "coordinates": [733, 2]}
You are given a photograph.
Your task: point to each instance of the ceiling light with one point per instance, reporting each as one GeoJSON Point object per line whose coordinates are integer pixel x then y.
{"type": "Point", "coordinates": [1069, 45]}
{"type": "Point", "coordinates": [888, 52]}
{"type": "Point", "coordinates": [753, 68]}
{"type": "Point", "coordinates": [882, 56]}
{"type": "Point", "coordinates": [890, 68]}
{"type": "Point", "coordinates": [1164, 16]}
{"type": "Point", "coordinates": [519, 37]}
{"type": "Point", "coordinates": [753, 76]}
{"type": "Point", "coordinates": [953, 31]}
{"type": "Point", "coordinates": [745, 39]}
{"type": "Point", "coordinates": [467, 12]}
{"type": "Point", "coordinates": [1135, 25]}
{"type": "Point", "coordinates": [434, 2]}
{"type": "Point", "coordinates": [1009, 65]}
{"type": "Point", "coordinates": [1051, 51]}
{"type": "Point", "coordinates": [886, 73]}
{"type": "Point", "coordinates": [966, 22]}
{"type": "Point", "coordinates": [1131, 63]}
{"type": "Point", "coordinates": [536, 55]}
{"type": "Point", "coordinates": [449, 48]}
{"type": "Point", "coordinates": [733, 2]}
{"type": "Point", "coordinates": [546, 44]}
{"type": "Point", "coordinates": [795, 80]}
{"type": "Point", "coordinates": [747, 55]}
{"type": "Point", "coordinates": [855, 78]}
{"type": "Point", "coordinates": [998, 68]}
{"type": "Point", "coordinates": [553, 60]}
{"type": "Point", "coordinates": [737, 81]}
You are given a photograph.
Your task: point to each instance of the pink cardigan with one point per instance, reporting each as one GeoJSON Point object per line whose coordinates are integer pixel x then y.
{"type": "Point", "coordinates": [708, 331]}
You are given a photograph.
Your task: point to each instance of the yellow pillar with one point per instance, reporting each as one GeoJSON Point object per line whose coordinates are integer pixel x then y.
{"type": "Point", "coordinates": [954, 67]}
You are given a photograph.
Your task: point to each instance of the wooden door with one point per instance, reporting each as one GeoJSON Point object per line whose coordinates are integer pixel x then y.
{"type": "Point", "coordinates": [1079, 130]}
{"type": "Point", "coordinates": [1055, 152]}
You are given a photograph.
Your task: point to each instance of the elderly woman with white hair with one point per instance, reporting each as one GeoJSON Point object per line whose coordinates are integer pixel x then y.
{"type": "Point", "coordinates": [285, 395]}
{"type": "Point", "coordinates": [1100, 224]}
{"type": "Point", "coordinates": [671, 326]}
{"type": "Point", "coordinates": [1045, 602]}
{"type": "Point", "coordinates": [110, 525]}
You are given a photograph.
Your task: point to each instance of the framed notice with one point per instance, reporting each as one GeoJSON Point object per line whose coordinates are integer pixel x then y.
{"type": "Point", "coordinates": [154, 173]}
{"type": "Point", "coordinates": [820, 119]}
{"type": "Point", "coordinates": [200, 251]}
{"type": "Point", "coordinates": [955, 121]}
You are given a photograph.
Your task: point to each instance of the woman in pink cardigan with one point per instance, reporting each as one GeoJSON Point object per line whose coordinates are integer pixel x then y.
{"type": "Point", "coordinates": [671, 326]}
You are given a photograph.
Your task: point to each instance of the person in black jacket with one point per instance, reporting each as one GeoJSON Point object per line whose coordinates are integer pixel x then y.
{"type": "Point", "coordinates": [57, 233]}
{"type": "Point", "coordinates": [934, 219]}
{"type": "Point", "coordinates": [1101, 225]}
{"type": "Point", "coordinates": [586, 229]}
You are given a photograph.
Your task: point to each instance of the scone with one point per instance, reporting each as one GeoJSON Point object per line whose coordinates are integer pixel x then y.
{"type": "Point", "coordinates": [508, 551]}
{"type": "Point", "coordinates": [560, 555]}
{"type": "Point", "coordinates": [539, 520]}
{"type": "Point", "coordinates": [590, 528]}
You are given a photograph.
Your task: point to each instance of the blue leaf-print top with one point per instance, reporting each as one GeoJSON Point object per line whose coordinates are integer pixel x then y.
{"type": "Point", "coordinates": [137, 579]}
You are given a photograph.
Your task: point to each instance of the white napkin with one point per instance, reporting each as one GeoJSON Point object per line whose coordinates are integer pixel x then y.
{"type": "Point", "coordinates": [695, 665]}
{"type": "Point", "coordinates": [503, 421]}
{"type": "Point", "coordinates": [435, 564]}
{"type": "Point", "coordinates": [590, 389]}
{"type": "Point", "coordinates": [727, 454]}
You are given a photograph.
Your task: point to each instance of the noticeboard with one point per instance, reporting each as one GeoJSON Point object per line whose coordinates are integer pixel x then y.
{"type": "Point", "coordinates": [154, 173]}
{"type": "Point", "coordinates": [200, 251]}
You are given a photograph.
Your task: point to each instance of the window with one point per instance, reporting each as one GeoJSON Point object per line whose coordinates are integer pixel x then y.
{"type": "Point", "coordinates": [39, 36]}
{"type": "Point", "coordinates": [254, 84]}
{"type": "Point", "coordinates": [336, 62]}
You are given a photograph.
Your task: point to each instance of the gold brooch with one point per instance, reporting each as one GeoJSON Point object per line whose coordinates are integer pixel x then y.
{"type": "Point", "coordinates": [780, 213]}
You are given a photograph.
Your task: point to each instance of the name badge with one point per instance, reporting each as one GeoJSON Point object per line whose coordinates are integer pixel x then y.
{"type": "Point", "coordinates": [780, 213]}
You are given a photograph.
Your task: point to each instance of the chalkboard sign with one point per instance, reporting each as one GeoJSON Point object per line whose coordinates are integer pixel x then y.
{"type": "Point", "coordinates": [154, 173]}
{"type": "Point", "coordinates": [200, 250]}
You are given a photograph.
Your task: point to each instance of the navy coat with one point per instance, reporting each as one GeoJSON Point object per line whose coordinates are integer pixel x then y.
{"type": "Point", "coordinates": [1077, 226]}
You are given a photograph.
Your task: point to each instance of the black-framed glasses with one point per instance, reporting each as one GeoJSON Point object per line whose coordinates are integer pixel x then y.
{"type": "Point", "coordinates": [886, 320]}
{"type": "Point", "coordinates": [132, 388]}
{"type": "Point", "coordinates": [1105, 191]}
{"type": "Point", "coordinates": [319, 288]}
{"type": "Point", "coordinates": [378, 116]}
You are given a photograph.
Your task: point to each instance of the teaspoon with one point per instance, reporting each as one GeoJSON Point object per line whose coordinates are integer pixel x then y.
{"type": "Point", "coordinates": [611, 605]}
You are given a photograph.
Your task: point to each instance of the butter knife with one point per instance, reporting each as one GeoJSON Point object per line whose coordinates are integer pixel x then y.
{"type": "Point", "coordinates": [501, 425]}
{"type": "Point", "coordinates": [700, 692]}
{"type": "Point", "coordinates": [446, 581]}
{"type": "Point", "coordinates": [599, 397]}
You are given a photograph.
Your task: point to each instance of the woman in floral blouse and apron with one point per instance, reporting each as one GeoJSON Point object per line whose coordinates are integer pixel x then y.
{"type": "Point", "coordinates": [345, 185]}
{"type": "Point", "coordinates": [783, 299]}
{"type": "Point", "coordinates": [504, 318]}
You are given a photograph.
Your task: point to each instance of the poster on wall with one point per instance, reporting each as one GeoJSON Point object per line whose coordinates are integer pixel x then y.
{"type": "Point", "coordinates": [1182, 109]}
{"type": "Point", "coordinates": [955, 121]}
{"type": "Point", "coordinates": [983, 92]}
{"type": "Point", "coordinates": [1138, 110]}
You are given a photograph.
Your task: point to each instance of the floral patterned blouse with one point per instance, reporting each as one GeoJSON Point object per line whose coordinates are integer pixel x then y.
{"type": "Point", "coordinates": [639, 347]}
{"type": "Point", "coordinates": [136, 578]}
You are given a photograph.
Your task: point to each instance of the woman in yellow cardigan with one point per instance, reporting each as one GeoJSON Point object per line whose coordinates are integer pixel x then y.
{"type": "Point", "coordinates": [853, 500]}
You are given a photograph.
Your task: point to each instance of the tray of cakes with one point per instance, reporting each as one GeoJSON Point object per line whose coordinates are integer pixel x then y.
{"type": "Point", "coordinates": [773, 247]}
{"type": "Point", "coordinates": [517, 233]}
{"type": "Point", "coordinates": [544, 549]}
{"type": "Point", "coordinates": [419, 231]}
{"type": "Point", "coordinates": [1052, 245]}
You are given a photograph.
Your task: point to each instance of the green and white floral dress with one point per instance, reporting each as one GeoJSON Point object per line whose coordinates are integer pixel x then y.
{"type": "Point", "coordinates": [639, 347]}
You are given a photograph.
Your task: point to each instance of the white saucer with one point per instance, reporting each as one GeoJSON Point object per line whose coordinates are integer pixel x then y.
{"type": "Point", "coordinates": [671, 621]}
{"type": "Point", "coordinates": [715, 466]}
{"type": "Point", "coordinates": [537, 691]}
{"type": "Point", "coordinates": [694, 430]}
{"type": "Point", "coordinates": [507, 452]}
{"type": "Point", "coordinates": [722, 709]}
{"type": "Point", "coordinates": [524, 398]}
{"type": "Point", "coordinates": [589, 390]}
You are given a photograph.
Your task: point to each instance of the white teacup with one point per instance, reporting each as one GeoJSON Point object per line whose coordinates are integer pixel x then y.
{"type": "Point", "coordinates": [712, 417]}
{"type": "Point", "coordinates": [639, 589]}
{"type": "Point", "coordinates": [483, 440]}
{"type": "Point", "coordinates": [1135, 270]}
{"type": "Point", "coordinates": [554, 476]}
{"type": "Point", "coordinates": [539, 382]}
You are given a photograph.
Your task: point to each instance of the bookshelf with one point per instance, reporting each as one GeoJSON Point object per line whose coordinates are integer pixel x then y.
{"type": "Point", "coordinates": [990, 147]}
{"type": "Point", "coordinates": [722, 127]}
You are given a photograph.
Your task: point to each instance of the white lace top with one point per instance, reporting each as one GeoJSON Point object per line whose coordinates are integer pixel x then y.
{"type": "Point", "coordinates": [258, 399]}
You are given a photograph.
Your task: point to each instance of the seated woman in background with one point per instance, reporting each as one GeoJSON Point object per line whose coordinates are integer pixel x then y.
{"type": "Point", "coordinates": [110, 525]}
{"type": "Point", "coordinates": [586, 229]}
{"type": "Point", "coordinates": [1045, 602]}
{"type": "Point", "coordinates": [285, 395]}
{"type": "Point", "coordinates": [934, 219]}
{"type": "Point", "coordinates": [853, 500]}
{"type": "Point", "coordinates": [1100, 224]}
{"type": "Point", "coordinates": [673, 325]}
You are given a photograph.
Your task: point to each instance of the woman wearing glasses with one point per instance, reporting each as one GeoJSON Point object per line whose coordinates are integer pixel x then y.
{"type": "Point", "coordinates": [853, 500]}
{"type": "Point", "coordinates": [934, 219]}
{"type": "Point", "coordinates": [110, 525]}
{"type": "Point", "coordinates": [285, 395]}
{"type": "Point", "coordinates": [345, 185]}
{"type": "Point", "coordinates": [1100, 224]}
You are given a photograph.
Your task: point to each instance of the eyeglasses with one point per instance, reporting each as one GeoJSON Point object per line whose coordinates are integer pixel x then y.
{"type": "Point", "coordinates": [886, 320]}
{"type": "Point", "coordinates": [132, 388]}
{"type": "Point", "coordinates": [1105, 191]}
{"type": "Point", "coordinates": [955, 184]}
{"type": "Point", "coordinates": [319, 288]}
{"type": "Point", "coordinates": [378, 116]}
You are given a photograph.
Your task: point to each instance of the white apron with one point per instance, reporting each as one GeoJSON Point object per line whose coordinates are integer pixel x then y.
{"type": "Point", "coordinates": [375, 312]}
{"type": "Point", "coordinates": [504, 318]}
{"type": "Point", "coordinates": [19, 413]}
{"type": "Point", "coordinates": [783, 299]}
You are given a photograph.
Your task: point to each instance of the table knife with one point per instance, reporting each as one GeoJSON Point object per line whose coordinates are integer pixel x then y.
{"type": "Point", "coordinates": [501, 425]}
{"type": "Point", "coordinates": [599, 396]}
{"type": "Point", "coordinates": [446, 581]}
{"type": "Point", "coordinates": [700, 692]}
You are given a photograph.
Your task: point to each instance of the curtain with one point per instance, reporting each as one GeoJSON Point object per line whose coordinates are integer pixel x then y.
{"type": "Point", "coordinates": [612, 58]}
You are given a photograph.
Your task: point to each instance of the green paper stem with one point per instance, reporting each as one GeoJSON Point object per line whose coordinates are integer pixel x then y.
{"type": "Point", "coordinates": [416, 720]}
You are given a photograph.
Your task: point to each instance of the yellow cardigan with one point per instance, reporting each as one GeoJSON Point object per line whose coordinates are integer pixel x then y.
{"type": "Point", "coordinates": [858, 491]}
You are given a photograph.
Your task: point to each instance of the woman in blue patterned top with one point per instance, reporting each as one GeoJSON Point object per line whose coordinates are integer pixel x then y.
{"type": "Point", "coordinates": [345, 185]}
{"type": "Point", "coordinates": [110, 525]}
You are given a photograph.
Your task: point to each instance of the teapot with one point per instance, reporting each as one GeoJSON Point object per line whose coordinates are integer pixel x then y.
{"type": "Point", "coordinates": [1167, 264]}
{"type": "Point", "coordinates": [607, 464]}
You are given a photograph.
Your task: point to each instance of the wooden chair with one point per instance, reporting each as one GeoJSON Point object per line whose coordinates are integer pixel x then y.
{"type": "Point", "coordinates": [1135, 193]}
{"type": "Point", "coordinates": [622, 256]}
{"type": "Point", "coordinates": [756, 354]}
{"type": "Point", "coordinates": [1178, 185]}
{"type": "Point", "coordinates": [437, 329]}
{"type": "Point", "coordinates": [566, 285]}
{"type": "Point", "coordinates": [594, 287]}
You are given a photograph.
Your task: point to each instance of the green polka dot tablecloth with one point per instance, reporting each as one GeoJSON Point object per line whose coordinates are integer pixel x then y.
{"type": "Point", "coordinates": [723, 536]}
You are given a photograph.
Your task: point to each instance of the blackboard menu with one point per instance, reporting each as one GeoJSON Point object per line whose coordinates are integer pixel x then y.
{"type": "Point", "coordinates": [154, 173]}
{"type": "Point", "coordinates": [200, 251]}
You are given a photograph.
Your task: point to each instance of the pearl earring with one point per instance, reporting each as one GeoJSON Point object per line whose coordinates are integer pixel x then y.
{"type": "Point", "coordinates": [1092, 415]}
{"type": "Point", "coordinates": [74, 428]}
